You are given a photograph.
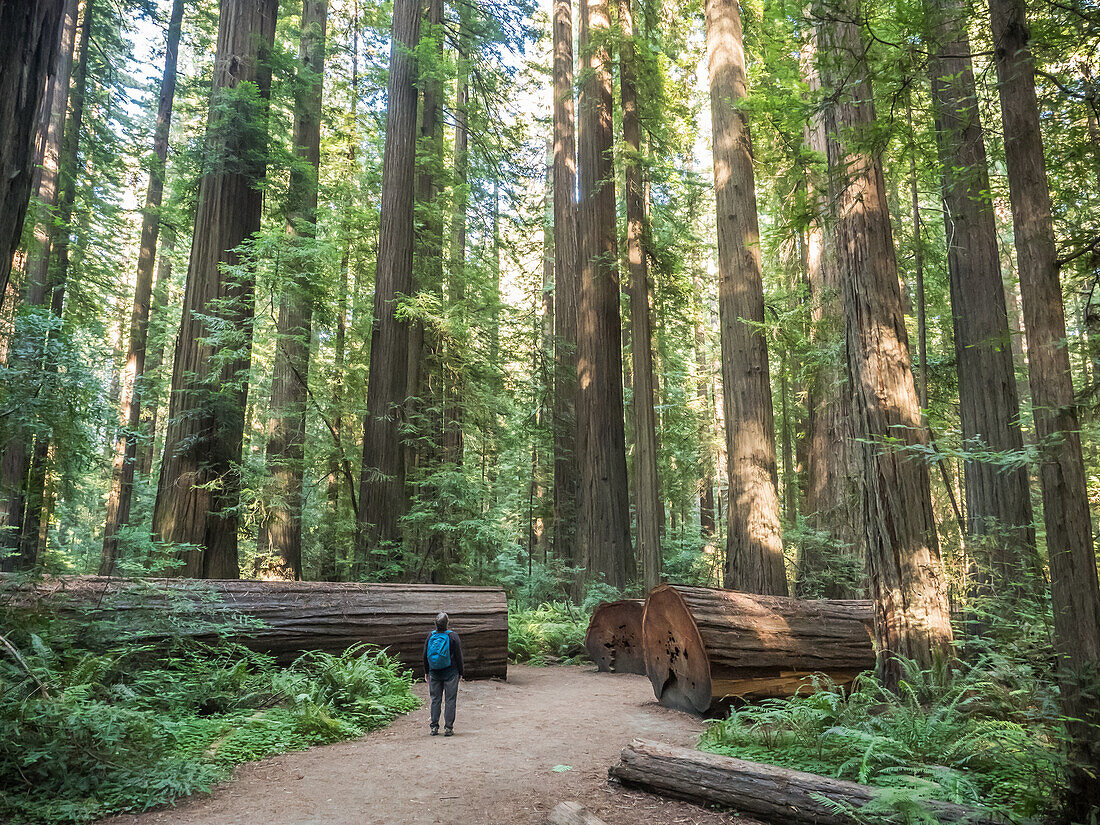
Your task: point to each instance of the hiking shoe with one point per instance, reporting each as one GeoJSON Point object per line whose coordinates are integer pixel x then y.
{"type": "Point", "coordinates": [448, 732]}
{"type": "Point", "coordinates": [434, 732]}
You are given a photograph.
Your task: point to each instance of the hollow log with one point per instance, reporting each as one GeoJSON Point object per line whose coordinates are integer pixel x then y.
{"type": "Point", "coordinates": [282, 618]}
{"type": "Point", "coordinates": [774, 794]}
{"type": "Point", "coordinates": [614, 638]}
{"type": "Point", "coordinates": [703, 646]}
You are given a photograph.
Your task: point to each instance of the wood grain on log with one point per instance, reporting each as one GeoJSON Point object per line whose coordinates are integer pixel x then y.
{"type": "Point", "coordinates": [283, 618]}
{"type": "Point", "coordinates": [614, 638]}
{"type": "Point", "coordinates": [774, 794]}
{"type": "Point", "coordinates": [703, 645]}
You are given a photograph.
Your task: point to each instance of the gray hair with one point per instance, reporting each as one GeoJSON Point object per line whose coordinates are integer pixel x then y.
{"type": "Point", "coordinates": [441, 621]}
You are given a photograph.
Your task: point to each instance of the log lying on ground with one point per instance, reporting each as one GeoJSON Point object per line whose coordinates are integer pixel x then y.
{"type": "Point", "coordinates": [702, 645]}
{"type": "Point", "coordinates": [774, 794]}
{"type": "Point", "coordinates": [614, 638]}
{"type": "Point", "coordinates": [282, 618]}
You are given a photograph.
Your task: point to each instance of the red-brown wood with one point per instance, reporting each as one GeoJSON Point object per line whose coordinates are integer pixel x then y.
{"type": "Point", "coordinates": [614, 638]}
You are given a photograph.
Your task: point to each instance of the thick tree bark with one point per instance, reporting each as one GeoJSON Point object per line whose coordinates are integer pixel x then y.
{"type": "Point", "coordinates": [382, 486]}
{"type": "Point", "coordinates": [199, 487]}
{"type": "Point", "coordinates": [998, 501]}
{"type": "Point", "coordinates": [1073, 581]}
{"type": "Point", "coordinates": [754, 540]}
{"type": "Point", "coordinates": [771, 793]}
{"type": "Point", "coordinates": [704, 645]}
{"type": "Point", "coordinates": [284, 619]}
{"type": "Point", "coordinates": [566, 264]}
{"type": "Point", "coordinates": [30, 40]}
{"type": "Point", "coordinates": [614, 637]}
{"type": "Point", "coordinates": [647, 503]}
{"type": "Point", "coordinates": [603, 523]}
{"type": "Point", "coordinates": [290, 376]}
{"type": "Point", "coordinates": [126, 445]}
{"type": "Point", "coordinates": [911, 611]}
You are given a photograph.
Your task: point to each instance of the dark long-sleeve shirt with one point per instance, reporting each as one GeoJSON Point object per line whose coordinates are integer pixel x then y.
{"type": "Point", "coordinates": [456, 658]}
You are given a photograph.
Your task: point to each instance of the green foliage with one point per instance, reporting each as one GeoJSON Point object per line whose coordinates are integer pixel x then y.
{"type": "Point", "coordinates": [549, 633]}
{"type": "Point", "coordinates": [92, 732]}
{"type": "Point", "coordinates": [964, 734]}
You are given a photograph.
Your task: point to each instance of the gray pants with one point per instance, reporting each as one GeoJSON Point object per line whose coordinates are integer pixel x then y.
{"type": "Point", "coordinates": [437, 687]}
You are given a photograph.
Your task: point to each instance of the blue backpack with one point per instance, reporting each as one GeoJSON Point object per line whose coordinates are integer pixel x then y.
{"type": "Point", "coordinates": [439, 650]}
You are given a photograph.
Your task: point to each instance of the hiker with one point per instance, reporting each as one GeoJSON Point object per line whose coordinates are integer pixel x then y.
{"type": "Point", "coordinates": [442, 670]}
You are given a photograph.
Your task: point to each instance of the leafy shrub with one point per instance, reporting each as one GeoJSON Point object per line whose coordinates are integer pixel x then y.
{"type": "Point", "coordinates": [550, 632]}
{"type": "Point", "coordinates": [90, 733]}
{"type": "Point", "coordinates": [944, 734]}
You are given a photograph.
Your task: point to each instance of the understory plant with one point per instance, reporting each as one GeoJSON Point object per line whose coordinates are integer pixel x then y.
{"type": "Point", "coordinates": [552, 632]}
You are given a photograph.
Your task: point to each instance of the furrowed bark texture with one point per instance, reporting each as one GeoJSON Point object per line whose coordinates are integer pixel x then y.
{"type": "Point", "coordinates": [603, 524]}
{"type": "Point", "coordinates": [647, 499]}
{"type": "Point", "coordinates": [998, 500]}
{"type": "Point", "coordinates": [754, 541]}
{"type": "Point", "coordinates": [911, 611]}
{"type": "Point", "coordinates": [382, 485]}
{"type": "Point", "coordinates": [773, 794]}
{"type": "Point", "coordinates": [290, 376]}
{"type": "Point", "coordinates": [30, 33]}
{"type": "Point", "coordinates": [566, 468]}
{"type": "Point", "coordinates": [199, 487]}
{"type": "Point", "coordinates": [126, 444]}
{"type": "Point", "coordinates": [1073, 582]}
{"type": "Point", "coordinates": [284, 619]}
{"type": "Point", "coordinates": [704, 645]}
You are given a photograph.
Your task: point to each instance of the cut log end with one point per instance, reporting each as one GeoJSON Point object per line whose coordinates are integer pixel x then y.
{"type": "Point", "coordinates": [614, 638]}
{"type": "Point", "coordinates": [676, 658]}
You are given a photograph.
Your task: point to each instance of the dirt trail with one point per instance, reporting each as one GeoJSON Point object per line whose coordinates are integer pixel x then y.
{"type": "Point", "coordinates": [496, 770]}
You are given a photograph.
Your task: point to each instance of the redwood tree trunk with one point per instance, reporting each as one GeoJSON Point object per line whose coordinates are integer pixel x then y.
{"type": "Point", "coordinates": [290, 376]}
{"type": "Point", "coordinates": [647, 503]}
{"type": "Point", "coordinates": [30, 33]}
{"type": "Point", "coordinates": [754, 540]}
{"type": "Point", "coordinates": [565, 290]}
{"type": "Point", "coordinates": [122, 477]}
{"type": "Point", "coordinates": [911, 611]}
{"type": "Point", "coordinates": [998, 501]}
{"type": "Point", "coordinates": [603, 524]}
{"type": "Point", "coordinates": [1073, 582]}
{"type": "Point", "coordinates": [199, 487]}
{"type": "Point", "coordinates": [382, 488]}
{"type": "Point", "coordinates": [155, 358]}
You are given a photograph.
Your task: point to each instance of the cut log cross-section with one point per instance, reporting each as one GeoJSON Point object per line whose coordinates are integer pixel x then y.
{"type": "Point", "coordinates": [703, 646]}
{"type": "Point", "coordinates": [284, 619]}
{"type": "Point", "coordinates": [614, 638]}
{"type": "Point", "coordinates": [771, 793]}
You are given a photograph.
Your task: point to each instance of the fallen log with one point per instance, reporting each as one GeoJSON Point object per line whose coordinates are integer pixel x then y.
{"type": "Point", "coordinates": [703, 646]}
{"type": "Point", "coordinates": [572, 813]}
{"type": "Point", "coordinates": [614, 638]}
{"type": "Point", "coordinates": [774, 794]}
{"type": "Point", "coordinates": [282, 618]}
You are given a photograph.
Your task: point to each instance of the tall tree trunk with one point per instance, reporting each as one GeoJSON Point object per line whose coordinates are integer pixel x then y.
{"type": "Point", "coordinates": [199, 487]}
{"type": "Point", "coordinates": [31, 35]}
{"type": "Point", "coordinates": [129, 417]}
{"type": "Point", "coordinates": [998, 500]}
{"type": "Point", "coordinates": [290, 375]}
{"type": "Point", "coordinates": [1073, 582]}
{"type": "Point", "coordinates": [603, 522]}
{"type": "Point", "coordinates": [647, 503]}
{"type": "Point", "coordinates": [566, 265]}
{"type": "Point", "coordinates": [704, 396]}
{"type": "Point", "coordinates": [911, 611]}
{"type": "Point", "coordinates": [382, 488]}
{"type": "Point", "coordinates": [36, 519]}
{"type": "Point", "coordinates": [151, 402]}
{"type": "Point", "coordinates": [754, 541]}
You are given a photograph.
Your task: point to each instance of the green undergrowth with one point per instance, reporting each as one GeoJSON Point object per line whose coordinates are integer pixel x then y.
{"type": "Point", "coordinates": [551, 633]}
{"type": "Point", "coordinates": [92, 732]}
{"type": "Point", "coordinates": [977, 735]}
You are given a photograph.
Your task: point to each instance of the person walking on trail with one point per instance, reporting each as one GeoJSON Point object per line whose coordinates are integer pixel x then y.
{"type": "Point", "coordinates": [442, 670]}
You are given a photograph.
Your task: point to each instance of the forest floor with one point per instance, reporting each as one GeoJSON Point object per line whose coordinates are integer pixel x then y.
{"type": "Point", "coordinates": [498, 768]}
